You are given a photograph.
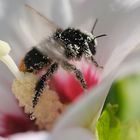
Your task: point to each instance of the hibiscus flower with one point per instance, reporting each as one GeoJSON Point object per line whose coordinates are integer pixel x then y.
{"type": "Point", "coordinates": [118, 20]}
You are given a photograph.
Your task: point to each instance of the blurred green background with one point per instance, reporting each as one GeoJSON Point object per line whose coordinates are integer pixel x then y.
{"type": "Point", "coordinates": [126, 93]}
{"type": "Point", "coordinates": [120, 118]}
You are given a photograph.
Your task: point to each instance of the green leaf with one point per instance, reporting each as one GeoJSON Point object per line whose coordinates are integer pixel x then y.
{"type": "Point", "coordinates": [108, 126]}
{"type": "Point", "coordinates": [126, 93]}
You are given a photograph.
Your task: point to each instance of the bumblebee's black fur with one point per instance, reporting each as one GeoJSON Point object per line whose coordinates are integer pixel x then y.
{"type": "Point", "coordinates": [77, 40]}
{"type": "Point", "coordinates": [35, 60]}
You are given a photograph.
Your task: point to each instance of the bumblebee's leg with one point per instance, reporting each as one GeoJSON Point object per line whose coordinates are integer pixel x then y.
{"type": "Point", "coordinates": [95, 62]}
{"type": "Point", "coordinates": [69, 67]}
{"type": "Point", "coordinates": [89, 57]}
{"type": "Point", "coordinates": [41, 83]}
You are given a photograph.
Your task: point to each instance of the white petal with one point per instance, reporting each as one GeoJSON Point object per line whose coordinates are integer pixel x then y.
{"type": "Point", "coordinates": [121, 52]}
{"type": "Point", "coordinates": [66, 134]}
{"type": "Point", "coordinates": [59, 12]}
{"type": "Point", "coordinates": [127, 4]}
{"type": "Point", "coordinates": [1, 138]}
{"type": "Point", "coordinates": [130, 65]}
{"type": "Point", "coordinates": [62, 12]}
{"type": "Point", "coordinates": [74, 133]}
{"type": "Point", "coordinates": [8, 24]}
{"type": "Point", "coordinates": [85, 111]}
{"type": "Point", "coordinates": [30, 135]}
{"type": "Point", "coordinates": [8, 104]}
{"type": "Point", "coordinates": [9, 27]}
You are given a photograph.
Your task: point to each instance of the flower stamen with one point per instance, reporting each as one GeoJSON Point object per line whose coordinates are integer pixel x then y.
{"type": "Point", "coordinates": [6, 59]}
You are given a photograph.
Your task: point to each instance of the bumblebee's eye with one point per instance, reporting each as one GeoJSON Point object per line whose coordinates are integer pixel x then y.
{"type": "Point", "coordinates": [92, 46]}
{"type": "Point", "coordinates": [95, 41]}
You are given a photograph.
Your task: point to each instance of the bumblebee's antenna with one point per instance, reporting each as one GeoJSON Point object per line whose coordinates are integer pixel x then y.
{"type": "Point", "coordinates": [96, 20]}
{"type": "Point", "coordinates": [100, 36]}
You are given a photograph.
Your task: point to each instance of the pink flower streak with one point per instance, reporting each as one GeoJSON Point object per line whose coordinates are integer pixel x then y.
{"type": "Point", "coordinates": [10, 124]}
{"type": "Point", "coordinates": [68, 87]}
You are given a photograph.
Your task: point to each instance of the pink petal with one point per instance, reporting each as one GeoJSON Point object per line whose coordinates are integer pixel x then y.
{"type": "Point", "coordinates": [10, 124]}
{"type": "Point", "coordinates": [68, 87]}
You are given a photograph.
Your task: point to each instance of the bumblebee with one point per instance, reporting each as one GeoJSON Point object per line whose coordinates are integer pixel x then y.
{"type": "Point", "coordinates": [71, 44]}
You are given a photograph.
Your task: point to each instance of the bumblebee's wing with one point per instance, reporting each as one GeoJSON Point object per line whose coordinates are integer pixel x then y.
{"type": "Point", "coordinates": [37, 25]}
{"type": "Point", "coordinates": [39, 29]}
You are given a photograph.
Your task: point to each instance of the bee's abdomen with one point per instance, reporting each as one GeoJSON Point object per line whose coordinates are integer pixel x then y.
{"type": "Point", "coordinates": [35, 60]}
